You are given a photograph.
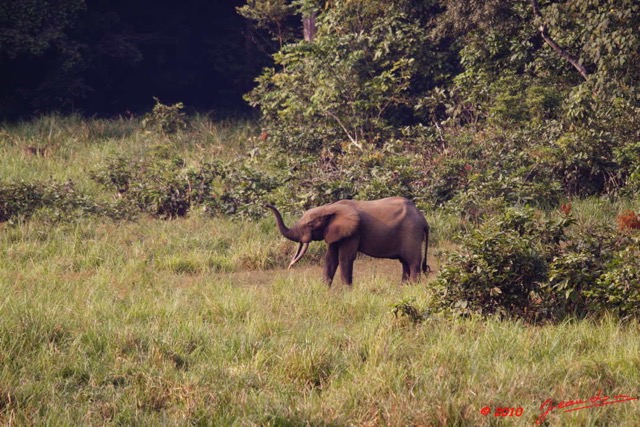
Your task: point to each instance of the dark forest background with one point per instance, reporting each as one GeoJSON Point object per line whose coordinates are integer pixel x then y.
{"type": "Point", "coordinates": [108, 57]}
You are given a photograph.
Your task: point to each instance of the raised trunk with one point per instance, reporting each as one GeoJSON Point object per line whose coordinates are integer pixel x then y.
{"type": "Point", "coordinates": [284, 230]}
{"type": "Point", "coordinates": [289, 234]}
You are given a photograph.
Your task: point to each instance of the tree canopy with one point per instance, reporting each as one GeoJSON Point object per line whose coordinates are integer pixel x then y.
{"type": "Point", "coordinates": [547, 90]}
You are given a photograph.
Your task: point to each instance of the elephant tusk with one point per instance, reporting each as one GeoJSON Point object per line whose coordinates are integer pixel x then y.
{"type": "Point", "coordinates": [302, 249]}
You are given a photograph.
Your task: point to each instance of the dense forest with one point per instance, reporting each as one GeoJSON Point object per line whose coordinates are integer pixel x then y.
{"type": "Point", "coordinates": [109, 57]}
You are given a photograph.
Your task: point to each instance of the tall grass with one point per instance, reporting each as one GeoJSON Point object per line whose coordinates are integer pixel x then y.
{"type": "Point", "coordinates": [195, 321]}
{"type": "Point", "coordinates": [133, 323]}
{"type": "Point", "coordinates": [68, 147]}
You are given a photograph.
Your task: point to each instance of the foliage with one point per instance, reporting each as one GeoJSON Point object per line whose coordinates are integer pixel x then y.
{"type": "Point", "coordinates": [577, 266]}
{"type": "Point", "coordinates": [512, 81]}
{"type": "Point", "coordinates": [520, 264]}
{"type": "Point", "coordinates": [498, 39]}
{"type": "Point", "coordinates": [108, 57]}
{"type": "Point", "coordinates": [32, 32]}
{"type": "Point", "coordinates": [155, 183]}
{"type": "Point", "coordinates": [511, 118]}
{"type": "Point", "coordinates": [352, 86]}
{"type": "Point", "coordinates": [241, 191]}
{"type": "Point", "coordinates": [618, 287]}
{"type": "Point", "coordinates": [21, 200]}
{"type": "Point", "coordinates": [168, 119]}
{"type": "Point", "coordinates": [272, 16]}
{"type": "Point", "coordinates": [501, 265]}
{"type": "Point", "coordinates": [160, 183]}
{"type": "Point", "coordinates": [32, 27]}
{"type": "Point", "coordinates": [311, 180]}
{"type": "Point", "coordinates": [492, 165]}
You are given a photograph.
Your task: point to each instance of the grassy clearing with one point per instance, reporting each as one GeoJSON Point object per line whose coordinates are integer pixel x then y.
{"type": "Point", "coordinates": [194, 321]}
{"type": "Point", "coordinates": [177, 322]}
{"type": "Point", "coordinates": [68, 148]}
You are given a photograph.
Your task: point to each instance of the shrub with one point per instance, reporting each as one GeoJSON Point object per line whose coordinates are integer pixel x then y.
{"type": "Point", "coordinates": [618, 287]}
{"type": "Point", "coordinates": [521, 264]}
{"type": "Point", "coordinates": [628, 156]}
{"type": "Point", "coordinates": [472, 169]}
{"type": "Point", "coordinates": [154, 183]}
{"type": "Point", "coordinates": [22, 200]}
{"type": "Point", "coordinates": [167, 119]}
{"type": "Point", "coordinates": [237, 189]}
{"type": "Point", "coordinates": [161, 184]}
{"type": "Point", "coordinates": [350, 174]}
{"type": "Point", "coordinates": [501, 265]}
{"type": "Point", "coordinates": [576, 267]}
{"type": "Point", "coordinates": [584, 162]}
{"type": "Point", "coordinates": [598, 271]}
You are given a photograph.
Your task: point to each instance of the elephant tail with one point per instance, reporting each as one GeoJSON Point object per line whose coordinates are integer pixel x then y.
{"type": "Point", "coordinates": [425, 267]}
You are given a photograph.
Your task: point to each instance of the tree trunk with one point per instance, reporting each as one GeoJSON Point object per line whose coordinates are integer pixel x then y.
{"type": "Point", "coordinates": [555, 46]}
{"type": "Point", "coordinates": [309, 26]}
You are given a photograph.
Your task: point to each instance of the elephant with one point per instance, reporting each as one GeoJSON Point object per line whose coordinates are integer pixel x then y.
{"type": "Point", "coordinates": [386, 228]}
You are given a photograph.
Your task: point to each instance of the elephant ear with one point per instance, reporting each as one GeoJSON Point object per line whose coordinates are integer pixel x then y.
{"type": "Point", "coordinates": [344, 222]}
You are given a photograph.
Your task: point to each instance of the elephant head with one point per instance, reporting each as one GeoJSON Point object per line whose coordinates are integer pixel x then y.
{"type": "Point", "coordinates": [330, 223]}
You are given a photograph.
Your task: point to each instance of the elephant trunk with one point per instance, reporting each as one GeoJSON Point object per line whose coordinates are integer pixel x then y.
{"type": "Point", "coordinates": [291, 234]}
{"type": "Point", "coordinates": [284, 230]}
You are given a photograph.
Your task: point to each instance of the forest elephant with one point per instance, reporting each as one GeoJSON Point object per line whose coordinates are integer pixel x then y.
{"type": "Point", "coordinates": [387, 228]}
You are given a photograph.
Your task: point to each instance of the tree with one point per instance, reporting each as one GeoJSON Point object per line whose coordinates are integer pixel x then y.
{"type": "Point", "coordinates": [357, 84]}
{"type": "Point", "coordinates": [581, 47]}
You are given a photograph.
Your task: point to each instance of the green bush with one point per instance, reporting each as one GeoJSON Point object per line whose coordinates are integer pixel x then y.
{"type": "Point", "coordinates": [521, 263]}
{"type": "Point", "coordinates": [628, 157]}
{"type": "Point", "coordinates": [618, 287]}
{"type": "Point", "coordinates": [583, 161]}
{"type": "Point", "coordinates": [167, 119]}
{"type": "Point", "coordinates": [577, 266]}
{"type": "Point", "coordinates": [501, 265]}
{"type": "Point", "coordinates": [313, 180]}
{"type": "Point", "coordinates": [474, 168]}
{"type": "Point", "coordinates": [240, 190]}
{"type": "Point", "coordinates": [160, 183]}
{"type": "Point", "coordinates": [597, 271]}
{"type": "Point", "coordinates": [155, 183]}
{"type": "Point", "coordinates": [22, 200]}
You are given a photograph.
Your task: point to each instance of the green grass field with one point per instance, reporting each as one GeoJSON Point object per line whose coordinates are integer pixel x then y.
{"type": "Point", "coordinates": [195, 322]}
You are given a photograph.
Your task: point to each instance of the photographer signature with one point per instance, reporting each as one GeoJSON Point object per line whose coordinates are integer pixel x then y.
{"type": "Point", "coordinates": [575, 405]}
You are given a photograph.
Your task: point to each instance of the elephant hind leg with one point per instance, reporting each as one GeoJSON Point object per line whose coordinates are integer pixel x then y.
{"type": "Point", "coordinates": [405, 270]}
{"type": "Point", "coordinates": [414, 272]}
{"type": "Point", "coordinates": [411, 269]}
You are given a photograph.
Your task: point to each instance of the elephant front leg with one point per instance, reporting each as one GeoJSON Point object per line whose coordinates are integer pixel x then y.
{"type": "Point", "coordinates": [330, 263]}
{"type": "Point", "coordinates": [347, 255]}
